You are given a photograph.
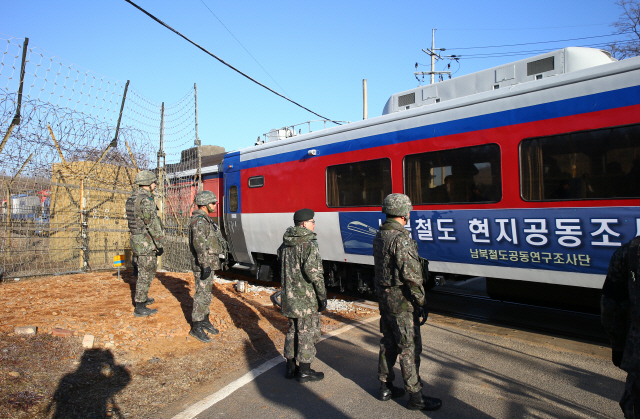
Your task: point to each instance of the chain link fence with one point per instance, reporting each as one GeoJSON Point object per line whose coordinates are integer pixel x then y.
{"type": "Point", "coordinates": [72, 143]}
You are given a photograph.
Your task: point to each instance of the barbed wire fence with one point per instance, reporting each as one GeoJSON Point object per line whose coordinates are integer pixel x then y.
{"type": "Point", "coordinates": [72, 143]}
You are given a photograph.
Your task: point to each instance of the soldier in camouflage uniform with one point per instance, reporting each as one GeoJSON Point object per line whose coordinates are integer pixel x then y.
{"type": "Point", "coordinates": [303, 295]}
{"type": "Point", "coordinates": [147, 237]}
{"type": "Point", "coordinates": [206, 244]}
{"type": "Point", "coordinates": [620, 310]}
{"type": "Point", "coordinates": [401, 298]}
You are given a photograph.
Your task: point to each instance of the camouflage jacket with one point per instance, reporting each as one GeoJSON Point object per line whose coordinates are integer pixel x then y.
{"type": "Point", "coordinates": [205, 242]}
{"type": "Point", "coordinates": [398, 271]}
{"type": "Point", "coordinates": [147, 232]}
{"type": "Point", "coordinates": [301, 273]}
{"type": "Point", "coordinates": [620, 304]}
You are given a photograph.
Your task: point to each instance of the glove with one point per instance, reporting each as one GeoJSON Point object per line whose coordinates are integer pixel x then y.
{"type": "Point", "coordinates": [322, 305]}
{"type": "Point", "coordinates": [160, 251]}
{"type": "Point", "coordinates": [205, 273]}
{"type": "Point", "coordinates": [423, 313]}
{"type": "Point", "coordinates": [616, 357]}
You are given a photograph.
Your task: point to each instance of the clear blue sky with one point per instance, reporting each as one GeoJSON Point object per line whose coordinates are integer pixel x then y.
{"type": "Point", "coordinates": [318, 52]}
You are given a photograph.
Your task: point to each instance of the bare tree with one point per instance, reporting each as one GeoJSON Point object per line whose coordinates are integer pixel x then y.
{"type": "Point", "coordinates": [628, 24]}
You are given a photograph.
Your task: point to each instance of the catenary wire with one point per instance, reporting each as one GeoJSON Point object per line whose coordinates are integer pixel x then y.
{"type": "Point", "coordinates": [225, 63]}
{"type": "Point", "coordinates": [543, 42]}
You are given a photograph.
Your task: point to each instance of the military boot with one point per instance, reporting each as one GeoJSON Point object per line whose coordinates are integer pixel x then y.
{"type": "Point", "coordinates": [198, 332]}
{"type": "Point", "coordinates": [149, 301]}
{"type": "Point", "coordinates": [292, 369]}
{"type": "Point", "coordinates": [142, 310]}
{"type": "Point", "coordinates": [206, 324]}
{"type": "Point", "coordinates": [419, 402]}
{"type": "Point", "coordinates": [389, 391]}
{"type": "Point", "coordinates": [307, 374]}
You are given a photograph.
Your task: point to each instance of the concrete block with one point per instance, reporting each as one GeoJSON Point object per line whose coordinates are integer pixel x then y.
{"type": "Point", "coordinates": [63, 333]}
{"type": "Point", "coordinates": [87, 342]}
{"type": "Point", "coordinates": [25, 330]}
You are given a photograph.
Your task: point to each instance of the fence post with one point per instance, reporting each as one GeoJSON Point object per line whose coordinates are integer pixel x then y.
{"type": "Point", "coordinates": [198, 143]}
{"type": "Point", "coordinates": [84, 256]}
{"type": "Point", "coordinates": [16, 118]}
{"type": "Point", "coordinates": [160, 184]}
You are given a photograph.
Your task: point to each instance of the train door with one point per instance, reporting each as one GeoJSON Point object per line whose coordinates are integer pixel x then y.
{"type": "Point", "coordinates": [233, 217]}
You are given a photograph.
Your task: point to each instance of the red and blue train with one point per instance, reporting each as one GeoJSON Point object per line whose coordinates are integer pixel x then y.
{"type": "Point", "coordinates": [527, 174]}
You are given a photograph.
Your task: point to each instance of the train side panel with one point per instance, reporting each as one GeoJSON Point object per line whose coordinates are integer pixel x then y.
{"type": "Point", "coordinates": [557, 241]}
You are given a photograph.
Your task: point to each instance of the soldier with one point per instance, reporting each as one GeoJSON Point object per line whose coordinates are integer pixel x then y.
{"type": "Point", "coordinates": [303, 295]}
{"type": "Point", "coordinates": [206, 244]}
{"type": "Point", "coordinates": [147, 237]}
{"type": "Point", "coordinates": [620, 305]}
{"type": "Point", "coordinates": [401, 298]}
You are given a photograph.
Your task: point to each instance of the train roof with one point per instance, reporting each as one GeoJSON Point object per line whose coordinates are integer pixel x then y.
{"type": "Point", "coordinates": [571, 65]}
{"type": "Point", "coordinates": [532, 69]}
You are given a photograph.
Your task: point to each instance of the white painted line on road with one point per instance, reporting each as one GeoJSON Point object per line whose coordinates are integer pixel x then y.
{"type": "Point", "coordinates": [207, 402]}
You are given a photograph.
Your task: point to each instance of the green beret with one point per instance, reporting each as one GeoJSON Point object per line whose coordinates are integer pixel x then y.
{"type": "Point", "coordinates": [304, 214]}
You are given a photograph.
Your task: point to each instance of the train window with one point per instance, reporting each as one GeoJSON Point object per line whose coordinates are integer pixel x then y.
{"type": "Point", "coordinates": [256, 182]}
{"type": "Point", "coordinates": [597, 164]}
{"type": "Point", "coordinates": [233, 198]}
{"type": "Point", "coordinates": [462, 175]}
{"type": "Point", "coordinates": [359, 184]}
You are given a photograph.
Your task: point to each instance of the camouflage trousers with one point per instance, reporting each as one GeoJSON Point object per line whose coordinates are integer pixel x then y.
{"type": "Point", "coordinates": [400, 338]}
{"type": "Point", "coordinates": [630, 402]}
{"type": "Point", "coordinates": [202, 297]}
{"type": "Point", "coordinates": [300, 341]}
{"type": "Point", "coordinates": [147, 265]}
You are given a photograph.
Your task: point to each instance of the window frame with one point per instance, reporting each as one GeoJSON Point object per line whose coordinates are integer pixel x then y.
{"type": "Point", "coordinates": [499, 147]}
{"type": "Point", "coordinates": [231, 200]}
{"type": "Point", "coordinates": [327, 183]}
{"type": "Point", "coordinates": [561, 134]}
{"type": "Point", "coordinates": [255, 177]}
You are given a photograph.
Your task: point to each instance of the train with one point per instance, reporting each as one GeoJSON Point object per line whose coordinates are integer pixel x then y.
{"type": "Point", "coordinates": [526, 174]}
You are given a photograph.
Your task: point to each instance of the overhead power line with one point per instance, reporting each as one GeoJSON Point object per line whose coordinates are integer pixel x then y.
{"type": "Point", "coordinates": [237, 40]}
{"type": "Point", "coordinates": [543, 42]}
{"type": "Point", "coordinates": [225, 63]}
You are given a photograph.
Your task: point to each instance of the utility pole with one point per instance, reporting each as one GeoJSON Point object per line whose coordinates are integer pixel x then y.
{"type": "Point", "coordinates": [434, 55]}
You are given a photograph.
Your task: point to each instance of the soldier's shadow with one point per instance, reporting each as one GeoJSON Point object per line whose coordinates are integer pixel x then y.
{"type": "Point", "coordinates": [180, 289]}
{"type": "Point", "coordinates": [89, 391]}
{"type": "Point", "coordinates": [245, 318]}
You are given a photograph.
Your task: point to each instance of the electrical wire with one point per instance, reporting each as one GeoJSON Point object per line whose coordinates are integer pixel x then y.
{"type": "Point", "coordinates": [243, 47]}
{"type": "Point", "coordinates": [225, 63]}
{"type": "Point", "coordinates": [543, 42]}
{"type": "Point", "coordinates": [527, 52]}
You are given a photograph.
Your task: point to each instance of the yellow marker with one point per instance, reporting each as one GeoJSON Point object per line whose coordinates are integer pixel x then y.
{"type": "Point", "coordinates": [118, 260]}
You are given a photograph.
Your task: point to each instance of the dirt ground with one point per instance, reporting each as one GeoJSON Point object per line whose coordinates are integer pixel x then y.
{"type": "Point", "coordinates": [137, 365]}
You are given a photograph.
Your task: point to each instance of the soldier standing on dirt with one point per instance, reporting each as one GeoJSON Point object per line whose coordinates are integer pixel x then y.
{"type": "Point", "coordinates": [303, 295]}
{"type": "Point", "coordinates": [147, 237]}
{"type": "Point", "coordinates": [398, 276]}
{"type": "Point", "coordinates": [206, 244]}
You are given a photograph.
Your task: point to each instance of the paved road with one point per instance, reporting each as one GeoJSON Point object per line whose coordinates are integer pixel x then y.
{"type": "Point", "coordinates": [477, 374]}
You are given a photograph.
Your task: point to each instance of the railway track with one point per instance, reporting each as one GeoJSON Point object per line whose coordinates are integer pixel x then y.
{"type": "Point", "coordinates": [480, 308]}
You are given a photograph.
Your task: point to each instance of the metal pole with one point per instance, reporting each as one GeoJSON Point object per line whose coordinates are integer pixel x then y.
{"type": "Point", "coordinates": [364, 98]}
{"type": "Point", "coordinates": [433, 54]}
{"type": "Point", "coordinates": [114, 142]}
{"type": "Point", "coordinates": [198, 142]}
{"type": "Point", "coordinates": [160, 186]}
{"type": "Point", "coordinates": [16, 118]}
